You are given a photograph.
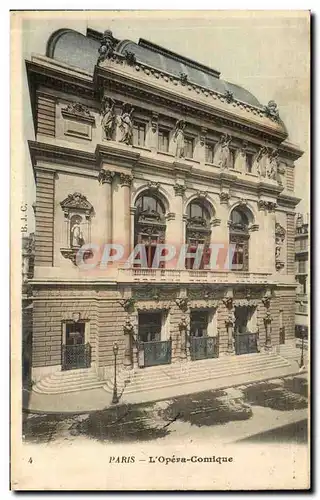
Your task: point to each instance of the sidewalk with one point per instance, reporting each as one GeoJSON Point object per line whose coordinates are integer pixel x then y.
{"type": "Point", "coordinates": [87, 401]}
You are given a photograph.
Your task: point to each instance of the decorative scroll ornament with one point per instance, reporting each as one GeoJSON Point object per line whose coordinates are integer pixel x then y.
{"type": "Point", "coordinates": [182, 303]}
{"type": "Point", "coordinates": [229, 96]}
{"type": "Point", "coordinates": [128, 304]}
{"type": "Point", "coordinates": [78, 109]}
{"type": "Point", "coordinates": [128, 328]}
{"type": "Point", "coordinates": [130, 57]}
{"type": "Point", "coordinates": [153, 186]}
{"type": "Point", "coordinates": [77, 202]}
{"type": "Point", "coordinates": [268, 206]}
{"type": "Point", "coordinates": [183, 78]}
{"type": "Point", "coordinates": [154, 122]}
{"type": "Point", "coordinates": [224, 198]}
{"type": "Point", "coordinates": [280, 234]}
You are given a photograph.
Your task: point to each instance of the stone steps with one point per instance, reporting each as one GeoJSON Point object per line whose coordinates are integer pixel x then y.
{"type": "Point", "coordinates": [177, 374]}
{"type": "Point", "coordinates": [68, 381]}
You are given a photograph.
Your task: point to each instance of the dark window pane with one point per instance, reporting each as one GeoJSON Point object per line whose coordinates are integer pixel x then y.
{"type": "Point", "coordinates": [139, 131]}
{"type": "Point", "coordinates": [163, 140]}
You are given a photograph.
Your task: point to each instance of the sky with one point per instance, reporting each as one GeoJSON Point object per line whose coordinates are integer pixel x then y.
{"type": "Point", "coordinates": [265, 52]}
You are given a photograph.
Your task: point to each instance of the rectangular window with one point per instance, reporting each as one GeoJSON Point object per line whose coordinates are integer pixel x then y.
{"type": "Point", "coordinates": [232, 157]}
{"type": "Point", "coordinates": [150, 327]}
{"type": "Point", "coordinates": [249, 162]}
{"type": "Point", "coordinates": [75, 333]}
{"type": "Point", "coordinates": [302, 268]}
{"type": "Point", "coordinates": [237, 260]}
{"type": "Point", "coordinates": [188, 147]}
{"type": "Point", "coordinates": [139, 134]}
{"type": "Point", "coordinates": [199, 323]}
{"type": "Point", "coordinates": [210, 152]}
{"type": "Point", "coordinates": [163, 140]}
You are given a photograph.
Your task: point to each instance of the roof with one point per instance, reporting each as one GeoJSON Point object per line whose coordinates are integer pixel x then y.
{"type": "Point", "coordinates": [75, 49]}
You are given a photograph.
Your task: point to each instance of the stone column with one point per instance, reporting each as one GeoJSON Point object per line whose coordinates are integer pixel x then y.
{"type": "Point", "coordinates": [267, 320]}
{"type": "Point", "coordinates": [121, 230]}
{"type": "Point", "coordinates": [175, 224]}
{"type": "Point", "coordinates": [105, 180]}
{"type": "Point", "coordinates": [228, 302]}
{"type": "Point", "coordinates": [128, 331]}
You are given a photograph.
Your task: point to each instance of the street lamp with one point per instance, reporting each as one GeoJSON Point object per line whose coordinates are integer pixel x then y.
{"type": "Point", "coordinates": [115, 398]}
{"type": "Point", "coordinates": [302, 347]}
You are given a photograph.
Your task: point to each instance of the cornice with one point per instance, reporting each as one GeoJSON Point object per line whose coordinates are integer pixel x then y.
{"type": "Point", "coordinates": [118, 156]}
{"type": "Point", "coordinates": [288, 201]}
{"type": "Point", "coordinates": [58, 154]}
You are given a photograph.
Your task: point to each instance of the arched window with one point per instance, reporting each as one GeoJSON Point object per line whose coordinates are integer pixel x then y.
{"type": "Point", "coordinates": [198, 232]}
{"type": "Point", "coordinates": [150, 224]}
{"type": "Point", "coordinates": [239, 236]}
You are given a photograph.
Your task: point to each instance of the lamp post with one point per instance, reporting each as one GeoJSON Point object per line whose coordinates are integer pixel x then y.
{"type": "Point", "coordinates": [115, 398]}
{"type": "Point", "coordinates": [302, 347]}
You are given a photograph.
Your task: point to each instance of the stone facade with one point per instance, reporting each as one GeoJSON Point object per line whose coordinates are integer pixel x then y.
{"type": "Point", "coordinates": [109, 137]}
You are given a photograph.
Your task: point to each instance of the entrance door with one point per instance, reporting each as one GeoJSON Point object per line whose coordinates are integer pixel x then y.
{"type": "Point", "coordinates": [75, 353]}
{"type": "Point", "coordinates": [245, 339]}
{"type": "Point", "coordinates": [201, 346]}
{"type": "Point", "coordinates": [152, 350]}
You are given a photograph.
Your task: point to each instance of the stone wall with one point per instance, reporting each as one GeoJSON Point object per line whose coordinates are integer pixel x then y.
{"type": "Point", "coordinates": [44, 218]}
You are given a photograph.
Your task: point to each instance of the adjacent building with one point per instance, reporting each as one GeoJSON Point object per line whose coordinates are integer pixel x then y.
{"type": "Point", "coordinates": [302, 275]}
{"type": "Point", "coordinates": [137, 145]}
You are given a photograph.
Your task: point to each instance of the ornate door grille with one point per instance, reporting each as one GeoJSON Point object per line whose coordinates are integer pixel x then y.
{"type": "Point", "coordinates": [76, 356]}
{"type": "Point", "coordinates": [155, 352]}
{"type": "Point", "coordinates": [204, 347]}
{"type": "Point", "coordinates": [246, 343]}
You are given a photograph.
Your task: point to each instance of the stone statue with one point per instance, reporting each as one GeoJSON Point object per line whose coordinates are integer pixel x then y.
{"type": "Point", "coordinates": [281, 175]}
{"type": "Point", "coordinates": [259, 163]}
{"type": "Point", "coordinates": [126, 124]}
{"type": "Point", "coordinates": [178, 138]}
{"type": "Point", "coordinates": [222, 152]}
{"type": "Point", "coordinates": [108, 117]}
{"type": "Point", "coordinates": [272, 164]}
{"type": "Point", "coordinates": [240, 160]}
{"type": "Point", "coordinates": [107, 46]}
{"type": "Point", "coordinates": [77, 239]}
{"type": "Point", "coordinates": [271, 110]}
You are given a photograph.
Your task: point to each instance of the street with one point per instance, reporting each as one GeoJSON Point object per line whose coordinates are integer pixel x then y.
{"type": "Point", "coordinates": [274, 410]}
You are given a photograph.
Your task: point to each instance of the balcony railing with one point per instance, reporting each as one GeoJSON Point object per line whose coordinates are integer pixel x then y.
{"type": "Point", "coordinates": [190, 276]}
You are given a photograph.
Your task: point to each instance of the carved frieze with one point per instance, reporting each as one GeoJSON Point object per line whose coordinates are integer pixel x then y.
{"type": "Point", "coordinates": [151, 292]}
{"type": "Point", "coordinates": [79, 111]}
{"type": "Point", "coordinates": [268, 206]}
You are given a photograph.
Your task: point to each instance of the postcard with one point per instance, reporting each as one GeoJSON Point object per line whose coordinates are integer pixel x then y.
{"type": "Point", "coordinates": [160, 250]}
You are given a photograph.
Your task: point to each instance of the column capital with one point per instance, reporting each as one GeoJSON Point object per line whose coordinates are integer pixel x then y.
{"type": "Point", "coordinates": [125, 180]}
{"type": "Point", "coordinates": [105, 176]}
{"type": "Point", "coordinates": [179, 189]}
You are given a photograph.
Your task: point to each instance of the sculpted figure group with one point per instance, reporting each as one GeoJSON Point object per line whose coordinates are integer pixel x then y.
{"type": "Point", "coordinates": [120, 127]}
